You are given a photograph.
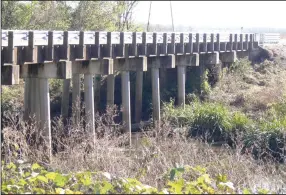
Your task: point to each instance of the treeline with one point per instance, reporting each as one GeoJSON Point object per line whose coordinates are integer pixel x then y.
{"type": "Point", "coordinates": [61, 15]}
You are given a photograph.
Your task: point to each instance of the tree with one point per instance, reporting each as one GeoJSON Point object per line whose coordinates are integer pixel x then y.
{"type": "Point", "coordinates": [50, 15]}
{"type": "Point", "coordinates": [94, 15]}
{"type": "Point", "coordinates": [125, 13]}
{"type": "Point", "coordinates": [14, 15]}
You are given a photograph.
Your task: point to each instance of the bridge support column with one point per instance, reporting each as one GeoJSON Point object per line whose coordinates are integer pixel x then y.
{"type": "Point", "coordinates": [156, 94]}
{"type": "Point", "coordinates": [37, 102]}
{"type": "Point", "coordinates": [125, 93]}
{"type": "Point", "coordinates": [97, 80]}
{"type": "Point", "coordinates": [125, 65]}
{"type": "Point", "coordinates": [155, 63]}
{"type": "Point", "coordinates": [181, 62]}
{"type": "Point", "coordinates": [33, 96]}
{"type": "Point", "coordinates": [27, 99]}
{"type": "Point", "coordinates": [89, 103]}
{"type": "Point", "coordinates": [138, 98]}
{"type": "Point", "coordinates": [10, 74]}
{"type": "Point", "coordinates": [110, 89]}
{"type": "Point", "coordinates": [90, 68]}
{"type": "Point", "coordinates": [76, 98]}
{"type": "Point", "coordinates": [36, 76]}
{"type": "Point", "coordinates": [65, 100]}
{"type": "Point", "coordinates": [45, 122]}
{"type": "Point", "coordinates": [207, 61]}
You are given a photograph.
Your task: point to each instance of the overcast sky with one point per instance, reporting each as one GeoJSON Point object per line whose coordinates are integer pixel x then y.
{"type": "Point", "coordinates": [271, 14]}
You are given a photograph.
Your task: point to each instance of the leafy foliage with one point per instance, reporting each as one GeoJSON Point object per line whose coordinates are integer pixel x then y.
{"type": "Point", "coordinates": [26, 178]}
{"type": "Point", "coordinates": [210, 120]}
{"type": "Point", "coordinates": [60, 15]}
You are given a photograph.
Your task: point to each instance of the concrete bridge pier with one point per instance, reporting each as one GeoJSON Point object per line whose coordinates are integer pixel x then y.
{"type": "Point", "coordinates": [90, 68]}
{"type": "Point", "coordinates": [182, 61]}
{"type": "Point", "coordinates": [125, 65]}
{"type": "Point", "coordinates": [125, 93]}
{"type": "Point", "coordinates": [37, 87]}
{"type": "Point", "coordinates": [156, 94]}
{"type": "Point", "coordinates": [138, 96]}
{"type": "Point", "coordinates": [110, 89]}
{"type": "Point", "coordinates": [89, 103]}
{"type": "Point", "coordinates": [207, 61]}
{"type": "Point", "coordinates": [65, 100]}
{"type": "Point", "coordinates": [181, 77]}
{"type": "Point", "coordinates": [155, 63]}
{"type": "Point", "coordinates": [97, 81]}
{"type": "Point", "coordinates": [44, 109]}
{"type": "Point", "coordinates": [76, 98]}
{"type": "Point", "coordinates": [27, 99]}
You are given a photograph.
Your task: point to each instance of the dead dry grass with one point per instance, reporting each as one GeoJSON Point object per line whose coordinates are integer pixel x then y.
{"type": "Point", "coordinates": [254, 91]}
{"type": "Point", "coordinates": [150, 157]}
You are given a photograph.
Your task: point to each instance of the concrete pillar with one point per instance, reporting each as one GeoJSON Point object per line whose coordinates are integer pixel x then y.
{"type": "Point", "coordinates": [33, 96]}
{"type": "Point", "coordinates": [45, 124]}
{"type": "Point", "coordinates": [202, 70]}
{"type": "Point", "coordinates": [76, 98]}
{"type": "Point", "coordinates": [89, 103]}
{"type": "Point", "coordinates": [37, 101]}
{"type": "Point", "coordinates": [27, 99]}
{"type": "Point", "coordinates": [110, 89]}
{"type": "Point", "coordinates": [126, 111]}
{"type": "Point", "coordinates": [138, 96]}
{"type": "Point", "coordinates": [163, 78]}
{"type": "Point", "coordinates": [156, 94]}
{"type": "Point", "coordinates": [181, 76]}
{"type": "Point", "coordinates": [97, 79]}
{"type": "Point", "coordinates": [65, 100]}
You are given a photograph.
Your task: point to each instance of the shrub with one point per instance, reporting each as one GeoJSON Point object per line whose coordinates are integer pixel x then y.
{"type": "Point", "coordinates": [205, 86]}
{"type": "Point", "coordinates": [213, 121]}
{"type": "Point", "coordinates": [210, 120]}
{"type": "Point", "coordinates": [240, 66]}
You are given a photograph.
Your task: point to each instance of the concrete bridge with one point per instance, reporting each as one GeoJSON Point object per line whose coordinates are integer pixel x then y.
{"type": "Point", "coordinates": [37, 56]}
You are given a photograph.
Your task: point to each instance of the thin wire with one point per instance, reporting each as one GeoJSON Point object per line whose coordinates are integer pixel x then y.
{"type": "Point", "coordinates": [172, 16]}
{"type": "Point", "coordinates": [149, 16]}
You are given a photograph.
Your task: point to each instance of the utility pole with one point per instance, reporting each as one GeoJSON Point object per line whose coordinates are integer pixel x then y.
{"type": "Point", "coordinates": [172, 16]}
{"type": "Point", "coordinates": [149, 16]}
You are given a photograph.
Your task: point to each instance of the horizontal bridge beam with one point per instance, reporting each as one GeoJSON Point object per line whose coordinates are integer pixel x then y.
{"type": "Point", "coordinates": [228, 57]}
{"type": "Point", "coordinates": [102, 66]}
{"type": "Point", "coordinates": [10, 74]}
{"type": "Point", "coordinates": [167, 61]}
{"type": "Point", "coordinates": [57, 70]}
{"type": "Point", "coordinates": [187, 60]}
{"type": "Point", "coordinates": [210, 58]}
{"type": "Point", "coordinates": [131, 64]}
